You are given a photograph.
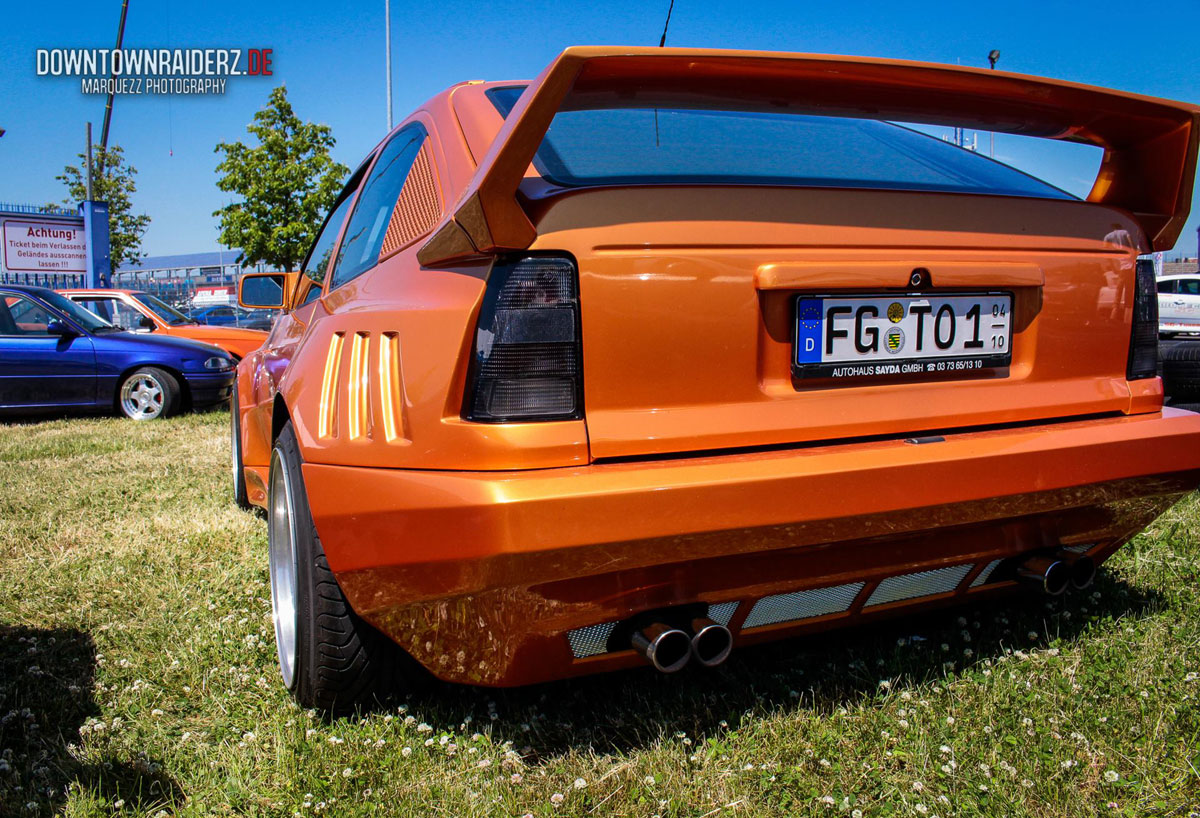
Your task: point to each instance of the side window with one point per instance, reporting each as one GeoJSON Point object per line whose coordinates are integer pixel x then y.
{"type": "Point", "coordinates": [114, 311]}
{"type": "Point", "coordinates": [1166, 286]}
{"type": "Point", "coordinates": [314, 292]}
{"type": "Point", "coordinates": [373, 214]}
{"type": "Point", "coordinates": [97, 306]}
{"type": "Point", "coordinates": [21, 316]}
{"type": "Point", "coordinates": [317, 261]}
{"type": "Point", "coordinates": [1189, 286]}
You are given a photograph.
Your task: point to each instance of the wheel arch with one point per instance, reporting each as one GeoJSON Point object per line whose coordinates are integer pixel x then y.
{"type": "Point", "coordinates": [185, 392]}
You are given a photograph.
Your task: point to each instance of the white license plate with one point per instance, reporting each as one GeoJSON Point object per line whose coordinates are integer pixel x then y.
{"type": "Point", "coordinates": [908, 335]}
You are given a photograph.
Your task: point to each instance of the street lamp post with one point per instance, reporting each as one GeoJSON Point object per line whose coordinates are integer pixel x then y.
{"type": "Point", "coordinates": [387, 35]}
{"type": "Point", "coordinates": [993, 55]}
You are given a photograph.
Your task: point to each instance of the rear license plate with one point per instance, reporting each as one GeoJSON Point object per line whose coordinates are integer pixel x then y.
{"type": "Point", "coordinates": [907, 335]}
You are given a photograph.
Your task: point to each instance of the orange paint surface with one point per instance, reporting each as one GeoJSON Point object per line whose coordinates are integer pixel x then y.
{"type": "Point", "coordinates": [702, 471]}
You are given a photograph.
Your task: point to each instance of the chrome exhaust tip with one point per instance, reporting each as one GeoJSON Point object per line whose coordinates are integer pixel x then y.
{"type": "Point", "coordinates": [667, 649]}
{"type": "Point", "coordinates": [1083, 568]}
{"type": "Point", "coordinates": [1051, 573]}
{"type": "Point", "coordinates": [711, 642]}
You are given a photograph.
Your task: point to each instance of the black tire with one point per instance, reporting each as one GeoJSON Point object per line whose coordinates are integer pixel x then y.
{"type": "Point", "coordinates": [1181, 368]}
{"type": "Point", "coordinates": [340, 663]}
{"type": "Point", "coordinates": [148, 393]}
{"type": "Point", "coordinates": [240, 495]}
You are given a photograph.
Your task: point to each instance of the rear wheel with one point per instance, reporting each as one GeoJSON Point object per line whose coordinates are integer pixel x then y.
{"type": "Point", "coordinates": [1181, 369]}
{"type": "Point", "coordinates": [148, 393]}
{"type": "Point", "coordinates": [329, 658]}
{"type": "Point", "coordinates": [240, 495]}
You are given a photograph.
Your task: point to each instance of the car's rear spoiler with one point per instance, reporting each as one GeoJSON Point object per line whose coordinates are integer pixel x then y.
{"type": "Point", "coordinates": [1149, 144]}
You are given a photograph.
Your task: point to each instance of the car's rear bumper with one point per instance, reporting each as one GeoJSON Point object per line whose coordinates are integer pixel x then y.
{"type": "Point", "coordinates": [483, 575]}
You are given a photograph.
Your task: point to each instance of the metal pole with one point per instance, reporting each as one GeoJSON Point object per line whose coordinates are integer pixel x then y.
{"type": "Point", "coordinates": [993, 55]}
{"type": "Point", "coordinates": [109, 105]}
{"type": "Point", "coordinates": [89, 162]}
{"type": "Point", "coordinates": [387, 34]}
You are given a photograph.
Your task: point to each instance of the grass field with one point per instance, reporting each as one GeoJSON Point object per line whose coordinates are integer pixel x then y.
{"type": "Point", "coordinates": [137, 677]}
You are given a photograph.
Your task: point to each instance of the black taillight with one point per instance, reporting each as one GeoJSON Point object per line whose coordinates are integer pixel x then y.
{"type": "Point", "coordinates": [1143, 337]}
{"type": "Point", "coordinates": [528, 361]}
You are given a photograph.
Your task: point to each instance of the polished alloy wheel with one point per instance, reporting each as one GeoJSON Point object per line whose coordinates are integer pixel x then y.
{"type": "Point", "coordinates": [282, 547]}
{"type": "Point", "coordinates": [235, 441]}
{"type": "Point", "coordinates": [142, 396]}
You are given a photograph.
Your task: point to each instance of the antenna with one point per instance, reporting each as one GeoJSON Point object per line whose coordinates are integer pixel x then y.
{"type": "Point", "coordinates": [663, 40]}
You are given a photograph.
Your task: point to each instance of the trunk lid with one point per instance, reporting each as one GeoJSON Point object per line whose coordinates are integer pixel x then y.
{"type": "Point", "coordinates": [688, 299]}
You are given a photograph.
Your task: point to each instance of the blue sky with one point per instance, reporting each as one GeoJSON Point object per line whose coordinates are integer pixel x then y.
{"type": "Point", "coordinates": [330, 55]}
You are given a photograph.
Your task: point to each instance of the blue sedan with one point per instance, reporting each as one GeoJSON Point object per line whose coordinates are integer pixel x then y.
{"type": "Point", "coordinates": [55, 355]}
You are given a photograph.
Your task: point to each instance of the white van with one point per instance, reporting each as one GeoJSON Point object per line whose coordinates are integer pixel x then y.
{"type": "Point", "coordinates": [1178, 304]}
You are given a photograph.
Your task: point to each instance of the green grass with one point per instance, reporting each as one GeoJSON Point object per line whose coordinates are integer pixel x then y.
{"type": "Point", "coordinates": [137, 677]}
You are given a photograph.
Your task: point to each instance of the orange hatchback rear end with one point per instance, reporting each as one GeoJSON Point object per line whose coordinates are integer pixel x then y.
{"type": "Point", "coordinates": [671, 351]}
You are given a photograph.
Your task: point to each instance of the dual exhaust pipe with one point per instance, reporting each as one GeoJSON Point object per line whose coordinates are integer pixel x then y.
{"type": "Point", "coordinates": [1054, 573]}
{"type": "Point", "coordinates": [669, 648]}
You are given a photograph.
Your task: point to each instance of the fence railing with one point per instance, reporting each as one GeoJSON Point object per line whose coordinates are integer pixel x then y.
{"type": "Point", "coordinates": [41, 210]}
{"type": "Point", "coordinates": [55, 281]}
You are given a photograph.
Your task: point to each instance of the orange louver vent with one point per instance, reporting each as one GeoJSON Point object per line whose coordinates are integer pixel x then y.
{"type": "Point", "coordinates": [418, 207]}
{"type": "Point", "coordinates": [327, 414]}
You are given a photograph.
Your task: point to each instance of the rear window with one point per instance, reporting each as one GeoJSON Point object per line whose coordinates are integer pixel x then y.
{"type": "Point", "coordinates": [707, 144]}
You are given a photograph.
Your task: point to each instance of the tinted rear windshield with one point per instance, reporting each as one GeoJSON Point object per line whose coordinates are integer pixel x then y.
{"type": "Point", "coordinates": [706, 144]}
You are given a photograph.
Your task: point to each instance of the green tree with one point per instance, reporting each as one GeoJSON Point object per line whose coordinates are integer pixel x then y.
{"type": "Point", "coordinates": [286, 183]}
{"type": "Point", "coordinates": [112, 182]}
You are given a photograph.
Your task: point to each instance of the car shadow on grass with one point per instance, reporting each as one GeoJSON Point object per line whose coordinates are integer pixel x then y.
{"type": "Point", "coordinates": [629, 710]}
{"type": "Point", "coordinates": [46, 683]}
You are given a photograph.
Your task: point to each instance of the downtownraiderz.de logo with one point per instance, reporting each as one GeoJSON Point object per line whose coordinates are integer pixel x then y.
{"type": "Point", "coordinates": [153, 70]}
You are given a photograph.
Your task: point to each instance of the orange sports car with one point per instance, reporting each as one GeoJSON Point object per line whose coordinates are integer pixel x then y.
{"type": "Point", "coordinates": [671, 351]}
{"type": "Point", "coordinates": [143, 312]}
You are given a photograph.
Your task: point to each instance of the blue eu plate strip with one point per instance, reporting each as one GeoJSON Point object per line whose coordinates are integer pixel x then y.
{"type": "Point", "coordinates": [809, 313]}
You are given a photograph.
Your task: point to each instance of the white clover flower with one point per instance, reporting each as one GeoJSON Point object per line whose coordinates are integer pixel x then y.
{"type": "Point", "coordinates": [156, 712]}
{"type": "Point", "coordinates": [921, 808]}
{"type": "Point", "coordinates": [950, 720]}
{"type": "Point", "coordinates": [579, 784]}
{"type": "Point", "coordinates": [406, 752]}
{"type": "Point", "coordinates": [824, 762]}
{"type": "Point", "coordinates": [347, 773]}
{"type": "Point", "coordinates": [484, 762]}
{"type": "Point", "coordinates": [336, 740]}
{"type": "Point", "coordinates": [827, 800]}
{"type": "Point", "coordinates": [424, 728]}
{"type": "Point", "coordinates": [557, 798]}
{"type": "Point", "coordinates": [1026, 783]}
{"type": "Point", "coordinates": [649, 780]}
{"type": "Point", "coordinates": [918, 786]}
{"type": "Point", "coordinates": [1111, 776]}
{"type": "Point", "coordinates": [903, 723]}
{"type": "Point", "coordinates": [1032, 634]}
{"type": "Point", "coordinates": [945, 749]}
{"type": "Point", "coordinates": [856, 813]}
